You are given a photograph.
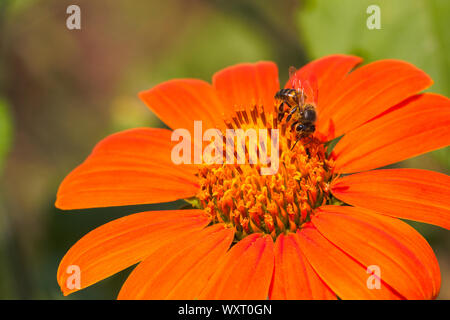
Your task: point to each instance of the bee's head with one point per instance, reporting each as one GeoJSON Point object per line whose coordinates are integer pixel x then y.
{"type": "Point", "coordinates": [299, 127]}
{"type": "Point", "coordinates": [305, 127]}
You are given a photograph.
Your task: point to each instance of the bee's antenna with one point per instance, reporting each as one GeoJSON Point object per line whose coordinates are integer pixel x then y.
{"type": "Point", "coordinates": [294, 145]}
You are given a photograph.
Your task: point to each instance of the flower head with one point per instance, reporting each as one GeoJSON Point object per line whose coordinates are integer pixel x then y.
{"type": "Point", "coordinates": [323, 226]}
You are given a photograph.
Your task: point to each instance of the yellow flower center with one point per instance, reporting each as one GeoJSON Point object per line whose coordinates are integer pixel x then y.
{"type": "Point", "coordinates": [242, 198]}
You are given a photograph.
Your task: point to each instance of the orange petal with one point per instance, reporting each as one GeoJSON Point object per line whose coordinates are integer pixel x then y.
{"type": "Point", "coordinates": [245, 272]}
{"type": "Point", "coordinates": [245, 85]}
{"type": "Point", "coordinates": [413, 194]}
{"type": "Point", "coordinates": [294, 278]}
{"type": "Point", "coordinates": [405, 260]}
{"type": "Point", "coordinates": [127, 168]}
{"type": "Point", "coordinates": [328, 71]}
{"type": "Point", "coordinates": [180, 269]}
{"type": "Point", "coordinates": [367, 92]}
{"type": "Point", "coordinates": [124, 242]}
{"type": "Point", "coordinates": [180, 102]}
{"type": "Point", "coordinates": [342, 273]}
{"type": "Point", "coordinates": [420, 124]}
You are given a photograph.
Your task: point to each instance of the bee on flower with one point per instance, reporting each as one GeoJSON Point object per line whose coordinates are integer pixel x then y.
{"type": "Point", "coordinates": [309, 231]}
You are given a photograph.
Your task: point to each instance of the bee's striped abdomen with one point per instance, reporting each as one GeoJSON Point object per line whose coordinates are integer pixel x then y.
{"type": "Point", "coordinates": [283, 93]}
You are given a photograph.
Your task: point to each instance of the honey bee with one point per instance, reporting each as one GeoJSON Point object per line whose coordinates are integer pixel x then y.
{"type": "Point", "coordinates": [301, 106]}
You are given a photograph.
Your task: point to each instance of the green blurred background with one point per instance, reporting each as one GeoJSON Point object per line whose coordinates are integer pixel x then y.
{"type": "Point", "coordinates": [61, 91]}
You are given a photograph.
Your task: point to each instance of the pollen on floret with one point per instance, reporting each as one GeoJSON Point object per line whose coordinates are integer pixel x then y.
{"type": "Point", "coordinates": [239, 196]}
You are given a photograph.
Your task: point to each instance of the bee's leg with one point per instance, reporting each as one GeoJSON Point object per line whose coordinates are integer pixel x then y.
{"type": "Point", "coordinates": [281, 112]}
{"type": "Point", "coordinates": [289, 117]}
{"type": "Point", "coordinates": [291, 113]}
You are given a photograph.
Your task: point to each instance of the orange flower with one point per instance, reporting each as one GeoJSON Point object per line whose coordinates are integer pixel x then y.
{"type": "Point", "coordinates": [283, 236]}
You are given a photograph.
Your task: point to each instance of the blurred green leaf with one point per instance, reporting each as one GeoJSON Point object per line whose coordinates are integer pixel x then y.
{"type": "Point", "coordinates": [5, 131]}
{"type": "Point", "coordinates": [5, 142]}
{"type": "Point", "coordinates": [202, 51]}
{"type": "Point", "coordinates": [443, 156]}
{"type": "Point", "coordinates": [411, 30]}
{"type": "Point", "coordinates": [16, 6]}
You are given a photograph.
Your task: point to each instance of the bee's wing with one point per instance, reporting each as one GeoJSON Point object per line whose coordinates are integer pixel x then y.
{"type": "Point", "coordinates": [292, 71]}
{"type": "Point", "coordinates": [310, 88]}
{"type": "Point", "coordinates": [305, 81]}
{"type": "Point", "coordinates": [294, 80]}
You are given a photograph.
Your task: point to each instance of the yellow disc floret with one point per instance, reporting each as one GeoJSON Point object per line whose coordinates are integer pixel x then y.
{"type": "Point", "coordinates": [241, 197]}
